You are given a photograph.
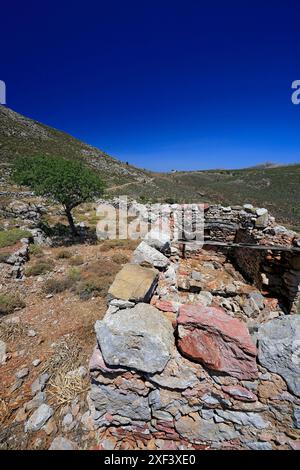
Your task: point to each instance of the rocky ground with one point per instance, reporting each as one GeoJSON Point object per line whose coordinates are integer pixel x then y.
{"type": "Point", "coordinates": [169, 394]}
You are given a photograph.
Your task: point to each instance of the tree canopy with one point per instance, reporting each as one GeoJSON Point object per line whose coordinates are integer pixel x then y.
{"type": "Point", "coordinates": [68, 182]}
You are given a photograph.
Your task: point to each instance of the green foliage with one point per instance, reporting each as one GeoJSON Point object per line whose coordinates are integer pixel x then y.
{"type": "Point", "coordinates": [8, 303]}
{"type": "Point", "coordinates": [68, 182]}
{"type": "Point", "coordinates": [40, 267]}
{"type": "Point", "coordinates": [36, 250]}
{"type": "Point", "coordinates": [74, 274]}
{"type": "Point", "coordinates": [10, 237]}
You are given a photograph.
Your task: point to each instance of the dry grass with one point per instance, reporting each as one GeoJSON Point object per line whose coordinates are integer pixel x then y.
{"type": "Point", "coordinates": [76, 261]}
{"type": "Point", "coordinates": [63, 254]}
{"type": "Point", "coordinates": [122, 244]}
{"type": "Point", "coordinates": [65, 387]}
{"type": "Point", "coordinates": [11, 331]}
{"type": "Point", "coordinates": [96, 279]}
{"type": "Point", "coordinates": [65, 356]}
{"type": "Point", "coordinates": [4, 411]}
{"type": "Point", "coordinates": [120, 258]}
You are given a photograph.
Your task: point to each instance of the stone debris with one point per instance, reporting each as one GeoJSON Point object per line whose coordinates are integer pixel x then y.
{"type": "Point", "coordinates": [61, 443]}
{"type": "Point", "coordinates": [145, 255]}
{"type": "Point", "coordinates": [39, 418]}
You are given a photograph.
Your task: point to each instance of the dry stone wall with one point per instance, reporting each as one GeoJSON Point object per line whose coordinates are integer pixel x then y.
{"type": "Point", "coordinates": [190, 355]}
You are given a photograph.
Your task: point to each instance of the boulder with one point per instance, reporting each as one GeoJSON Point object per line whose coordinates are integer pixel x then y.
{"type": "Point", "coordinates": [279, 349]}
{"type": "Point", "coordinates": [139, 338]}
{"type": "Point", "coordinates": [222, 343]}
{"type": "Point", "coordinates": [147, 255]}
{"type": "Point", "coordinates": [158, 239]}
{"type": "Point", "coordinates": [134, 283]}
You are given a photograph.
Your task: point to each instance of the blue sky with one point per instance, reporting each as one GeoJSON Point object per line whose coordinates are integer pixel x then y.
{"type": "Point", "coordinates": [163, 84]}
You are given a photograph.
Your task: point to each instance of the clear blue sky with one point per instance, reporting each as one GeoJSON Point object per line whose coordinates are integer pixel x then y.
{"type": "Point", "coordinates": [163, 84]}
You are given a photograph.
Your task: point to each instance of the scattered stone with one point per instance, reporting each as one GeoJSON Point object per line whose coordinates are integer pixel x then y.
{"type": "Point", "coordinates": [38, 400]}
{"type": "Point", "coordinates": [39, 418]}
{"type": "Point", "coordinates": [50, 427]}
{"type": "Point", "coordinates": [20, 374]}
{"type": "Point", "coordinates": [134, 283]}
{"type": "Point", "coordinates": [68, 419]}
{"type": "Point", "coordinates": [297, 417]}
{"type": "Point", "coordinates": [40, 383]}
{"type": "Point", "coordinates": [61, 443]}
{"type": "Point", "coordinates": [36, 362]}
{"type": "Point", "coordinates": [278, 349]}
{"type": "Point", "coordinates": [139, 338]}
{"type": "Point", "coordinates": [210, 336]}
{"type": "Point", "coordinates": [145, 254]}
{"type": "Point", "coordinates": [31, 333]}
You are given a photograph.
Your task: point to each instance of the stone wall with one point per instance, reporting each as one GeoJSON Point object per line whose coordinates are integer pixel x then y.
{"type": "Point", "coordinates": [189, 355]}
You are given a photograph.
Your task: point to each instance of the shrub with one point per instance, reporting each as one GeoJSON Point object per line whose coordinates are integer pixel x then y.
{"type": "Point", "coordinates": [120, 258]}
{"type": "Point", "coordinates": [55, 286]}
{"type": "Point", "coordinates": [76, 261]}
{"type": "Point", "coordinates": [36, 250]}
{"type": "Point", "coordinates": [10, 237]}
{"type": "Point", "coordinates": [9, 302]}
{"type": "Point", "coordinates": [40, 267]}
{"type": "Point", "coordinates": [74, 274]}
{"type": "Point", "coordinates": [96, 279]}
{"type": "Point", "coordinates": [63, 254]}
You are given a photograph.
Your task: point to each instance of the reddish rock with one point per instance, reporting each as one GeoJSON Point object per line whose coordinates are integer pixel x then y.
{"type": "Point", "coordinates": [97, 363]}
{"type": "Point", "coordinates": [239, 393]}
{"type": "Point", "coordinates": [166, 306]}
{"type": "Point", "coordinates": [222, 343]}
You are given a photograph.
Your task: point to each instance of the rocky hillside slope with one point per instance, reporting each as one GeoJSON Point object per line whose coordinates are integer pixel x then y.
{"type": "Point", "coordinates": [276, 188]}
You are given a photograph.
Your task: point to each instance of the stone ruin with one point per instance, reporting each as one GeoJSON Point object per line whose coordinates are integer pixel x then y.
{"type": "Point", "coordinates": [200, 348]}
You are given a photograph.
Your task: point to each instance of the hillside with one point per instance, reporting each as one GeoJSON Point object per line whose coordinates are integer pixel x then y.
{"type": "Point", "coordinates": [275, 187]}
{"type": "Point", "coordinates": [20, 135]}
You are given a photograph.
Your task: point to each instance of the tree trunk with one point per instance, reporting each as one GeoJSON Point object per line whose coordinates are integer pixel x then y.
{"type": "Point", "coordinates": [71, 222]}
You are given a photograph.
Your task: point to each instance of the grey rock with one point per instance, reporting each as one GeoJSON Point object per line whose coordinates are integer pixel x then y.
{"type": "Point", "coordinates": [2, 352]}
{"type": "Point", "coordinates": [197, 276]}
{"type": "Point", "coordinates": [139, 338]}
{"type": "Point", "coordinates": [31, 333]}
{"type": "Point", "coordinates": [68, 418]}
{"type": "Point", "coordinates": [158, 239]}
{"type": "Point", "coordinates": [145, 254]}
{"type": "Point", "coordinates": [261, 211]}
{"type": "Point", "coordinates": [20, 374]}
{"type": "Point", "coordinates": [36, 362]}
{"type": "Point", "coordinates": [61, 443]}
{"type": "Point", "coordinates": [259, 445]}
{"type": "Point", "coordinates": [129, 405]}
{"type": "Point", "coordinates": [196, 428]}
{"type": "Point", "coordinates": [279, 349]}
{"type": "Point", "coordinates": [39, 418]}
{"type": "Point", "coordinates": [244, 419]}
{"type": "Point", "coordinates": [177, 374]}
{"type": "Point", "coordinates": [38, 400]}
{"type": "Point", "coordinates": [40, 383]}
{"type": "Point", "coordinates": [122, 303]}
{"type": "Point", "coordinates": [297, 417]}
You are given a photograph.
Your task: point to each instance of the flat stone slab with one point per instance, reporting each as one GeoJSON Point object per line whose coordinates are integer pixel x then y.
{"type": "Point", "coordinates": [139, 338]}
{"type": "Point", "coordinates": [145, 254]}
{"type": "Point", "coordinates": [279, 349]}
{"type": "Point", "coordinates": [134, 283]}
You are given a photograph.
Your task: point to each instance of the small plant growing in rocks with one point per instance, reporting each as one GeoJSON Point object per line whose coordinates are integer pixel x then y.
{"type": "Point", "coordinates": [9, 303]}
{"type": "Point", "coordinates": [40, 267]}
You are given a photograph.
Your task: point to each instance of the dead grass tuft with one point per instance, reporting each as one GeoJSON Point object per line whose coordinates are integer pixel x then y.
{"type": "Point", "coordinates": [11, 331]}
{"type": "Point", "coordinates": [64, 387]}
